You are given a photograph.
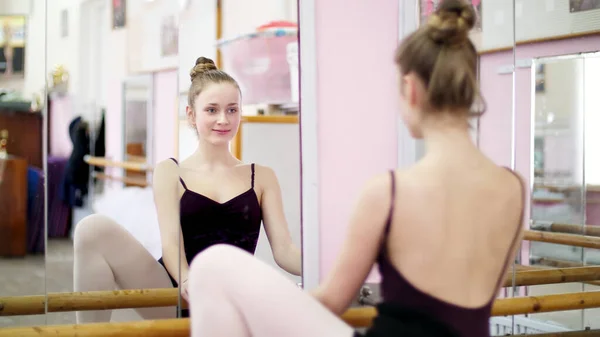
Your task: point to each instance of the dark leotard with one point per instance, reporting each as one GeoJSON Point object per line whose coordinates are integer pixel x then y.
{"type": "Point", "coordinates": [206, 222]}
{"type": "Point", "coordinates": [407, 310]}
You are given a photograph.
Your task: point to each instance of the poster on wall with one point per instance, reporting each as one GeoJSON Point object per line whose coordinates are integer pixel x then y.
{"type": "Point", "coordinates": [119, 13]}
{"type": "Point", "coordinates": [12, 42]}
{"type": "Point", "coordinates": [583, 5]}
{"type": "Point", "coordinates": [169, 36]}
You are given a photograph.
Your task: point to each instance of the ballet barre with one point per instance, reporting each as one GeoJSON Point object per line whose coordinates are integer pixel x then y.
{"type": "Point", "coordinates": [128, 180]}
{"type": "Point", "coordinates": [580, 333]}
{"type": "Point", "coordinates": [147, 328]}
{"type": "Point", "coordinates": [550, 226]}
{"type": "Point", "coordinates": [363, 317]}
{"type": "Point", "coordinates": [128, 165]}
{"type": "Point", "coordinates": [584, 241]}
{"type": "Point", "coordinates": [143, 298]}
{"type": "Point", "coordinates": [355, 317]}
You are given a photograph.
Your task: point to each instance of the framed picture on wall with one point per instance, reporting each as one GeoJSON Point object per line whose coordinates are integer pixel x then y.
{"type": "Point", "coordinates": [119, 13]}
{"type": "Point", "coordinates": [583, 5]}
{"type": "Point", "coordinates": [169, 36]}
{"type": "Point", "coordinates": [12, 42]}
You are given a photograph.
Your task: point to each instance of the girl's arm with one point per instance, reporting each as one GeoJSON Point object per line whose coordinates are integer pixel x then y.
{"type": "Point", "coordinates": [166, 199]}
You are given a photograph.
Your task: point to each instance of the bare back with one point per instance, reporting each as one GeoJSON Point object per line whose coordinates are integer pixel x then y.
{"type": "Point", "coordinates": [455, 227]}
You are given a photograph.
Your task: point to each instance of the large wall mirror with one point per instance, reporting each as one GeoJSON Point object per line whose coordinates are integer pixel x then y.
{"type": "Point", "coordinates": [24, 135]}
{"type": "Point", "coordinates": [260, 52]}
{"type": "Point", "coordinates": [556, 104]}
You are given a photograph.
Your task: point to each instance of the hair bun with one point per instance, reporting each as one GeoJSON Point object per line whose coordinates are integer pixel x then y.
{"type": "Point", "coordinates": [451, 22]}
{"type": "Point", "coordinates": [203, 64]}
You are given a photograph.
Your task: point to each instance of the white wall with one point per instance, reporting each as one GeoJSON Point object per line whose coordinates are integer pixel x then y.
{"type": "Point", "coordinates": [243, 16]}
{"type": "Point", "coordinates": [278, 147]}
{"type": "Point", "coordinates": [535, 19]}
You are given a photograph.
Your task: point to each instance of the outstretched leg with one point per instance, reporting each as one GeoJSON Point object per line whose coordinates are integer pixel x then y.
{"type": "Point", "coordinates": [234, 294]}
{"type": "Point", "coordinates": [107, 256]}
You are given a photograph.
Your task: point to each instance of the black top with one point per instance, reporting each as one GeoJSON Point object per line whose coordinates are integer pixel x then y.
{"type": "Point", "coordinates": [206, 222]}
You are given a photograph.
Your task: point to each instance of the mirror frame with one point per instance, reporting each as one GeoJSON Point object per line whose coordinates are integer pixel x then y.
{"type": "Point", "coordinates": [309, 145]}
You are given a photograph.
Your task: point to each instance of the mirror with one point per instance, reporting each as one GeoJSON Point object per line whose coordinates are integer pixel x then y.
{"type": "Point", "coordinates": [260, 53]}
{"type": "Point", "coordinates": [138, 140]}
{"type": "Point", "coordinates": [557, 70]}
{"type": "Point", "coordinates": [106, 136]}
{"type": "Point", "coordinates": [23, 139]}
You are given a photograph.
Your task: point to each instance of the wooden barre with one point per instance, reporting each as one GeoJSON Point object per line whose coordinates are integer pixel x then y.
{"type": "Point", "coordinates": [128, 180]}
{"type": "Point", "coordinates": [584, 241]}
{"type": "Point", "coordinates": [581, 333]}
{"type": "Point", "coordinates": [550, 226]}
{"type": "Point", "coordinates": [147, 328]}
{"type": "Point", "coordinates": [363, 317]}
{"type": "Point", "coordinates": [534, 276]}
{"type": "Point", "coordinates": [356, 317]}
{"type": "Point", "coordinates": [91, 300]}
{"type": "Point", "coordinates": [128, 165]}
{"type": "Point", "coordinates": [143, 298]}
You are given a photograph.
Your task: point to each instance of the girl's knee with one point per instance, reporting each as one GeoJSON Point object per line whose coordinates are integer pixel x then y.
{"type": "Point", "coordinates": [216, 261]}
{"type": "Point", "coordinates": [93, 229]}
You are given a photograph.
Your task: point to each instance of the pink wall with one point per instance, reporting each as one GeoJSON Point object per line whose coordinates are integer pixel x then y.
{"type": "Point", "coordinates": [495, 128]}
{"type": "Point", "coordinates": [165, 98]}
{"type": "Point", "coordinates": [357, 104]}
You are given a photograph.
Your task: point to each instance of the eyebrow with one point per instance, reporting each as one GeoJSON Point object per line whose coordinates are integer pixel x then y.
{"type": "Point", "coordinates": [215, 104]}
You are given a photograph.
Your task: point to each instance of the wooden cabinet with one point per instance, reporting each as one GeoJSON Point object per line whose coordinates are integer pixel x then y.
{"type": "Point", "coordinates": [13, 206]}
{"type": "Point", "coordinates": [24, 135]}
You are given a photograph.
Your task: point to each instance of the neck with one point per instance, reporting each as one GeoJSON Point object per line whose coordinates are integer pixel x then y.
{"type": "Point", "coordinates": [448, 138]}
{"type": "Point", "coordinates": [213, 155]}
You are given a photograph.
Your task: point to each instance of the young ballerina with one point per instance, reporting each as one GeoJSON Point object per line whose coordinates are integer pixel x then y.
{"type": "Point", "coordinates": [210, 198]}
{"type": "Point", "coordinates": [442, 231]}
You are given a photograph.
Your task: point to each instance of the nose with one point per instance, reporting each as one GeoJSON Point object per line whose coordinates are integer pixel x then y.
{"type": "Point", "coordinates": [222, 119]}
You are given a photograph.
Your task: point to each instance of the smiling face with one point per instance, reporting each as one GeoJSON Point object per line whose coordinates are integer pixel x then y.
{"type": "Point", "coordinates": [216, 113]}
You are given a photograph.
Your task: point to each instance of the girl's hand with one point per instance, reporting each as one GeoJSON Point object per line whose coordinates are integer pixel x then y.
{"type": "Point", "coordinates": [184, 290]}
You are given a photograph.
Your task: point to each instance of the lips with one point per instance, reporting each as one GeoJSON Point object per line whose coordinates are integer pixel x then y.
{"type": "Point", "coordinates": [222, 132]}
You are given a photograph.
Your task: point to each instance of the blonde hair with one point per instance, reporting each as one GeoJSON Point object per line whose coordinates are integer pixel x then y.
{"type": "Point", "coordinates": [204, 73]}
{"type": "Point", "coordinates": [442, 55]}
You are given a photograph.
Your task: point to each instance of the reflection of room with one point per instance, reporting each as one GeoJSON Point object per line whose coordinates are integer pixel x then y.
{"type": "Point", "coordinates": [552, 119]}
{"type": "Point", "coordinates": [113, 114]}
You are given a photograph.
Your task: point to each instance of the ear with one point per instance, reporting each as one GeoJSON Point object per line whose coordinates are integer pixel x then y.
{"type": "Point", "coordinates": [191, 116]}
{"type": "Point", "coordinates": [409, 90]}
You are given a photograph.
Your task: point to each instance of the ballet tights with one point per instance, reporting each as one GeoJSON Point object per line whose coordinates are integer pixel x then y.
{"type": "Point", "coordinates": [108, 257]}
{"type": "Point", "coordinates": [234, 294]}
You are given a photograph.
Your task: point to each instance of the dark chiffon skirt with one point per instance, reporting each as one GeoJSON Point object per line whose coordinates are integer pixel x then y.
{"type": "Point", "coordinates": [393, 321]}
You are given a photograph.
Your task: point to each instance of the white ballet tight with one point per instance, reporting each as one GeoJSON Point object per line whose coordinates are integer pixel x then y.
{"type": "Point", "coordinates": [108, 257]}
{"type": "Point", "coordinates": [234, 294]}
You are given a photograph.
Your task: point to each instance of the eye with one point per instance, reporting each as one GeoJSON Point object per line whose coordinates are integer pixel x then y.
{"type": "Point", "coordinates": [211, 110]}
{"type": "Point", "coordinates": [232, 110]}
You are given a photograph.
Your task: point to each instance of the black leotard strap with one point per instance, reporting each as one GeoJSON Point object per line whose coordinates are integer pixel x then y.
{"type": "Point", "coordinates": [252, 167]}
{"type": "Point", "coordinates": [393, 202]}
{"type": "Point", "coordinates": [180, 180]}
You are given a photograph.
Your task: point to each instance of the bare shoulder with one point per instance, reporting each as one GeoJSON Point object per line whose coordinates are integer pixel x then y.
{"type": "Point", "coordinates": [516, 182]}
{"type": "Point", "coordinates": [166, 173]}
{"type": "Point", "coordinates": [264, 174]}
{"type": "Point", "coordinates": [513, 186]}
{"type": "Point", "coordinates": [377, 190]}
